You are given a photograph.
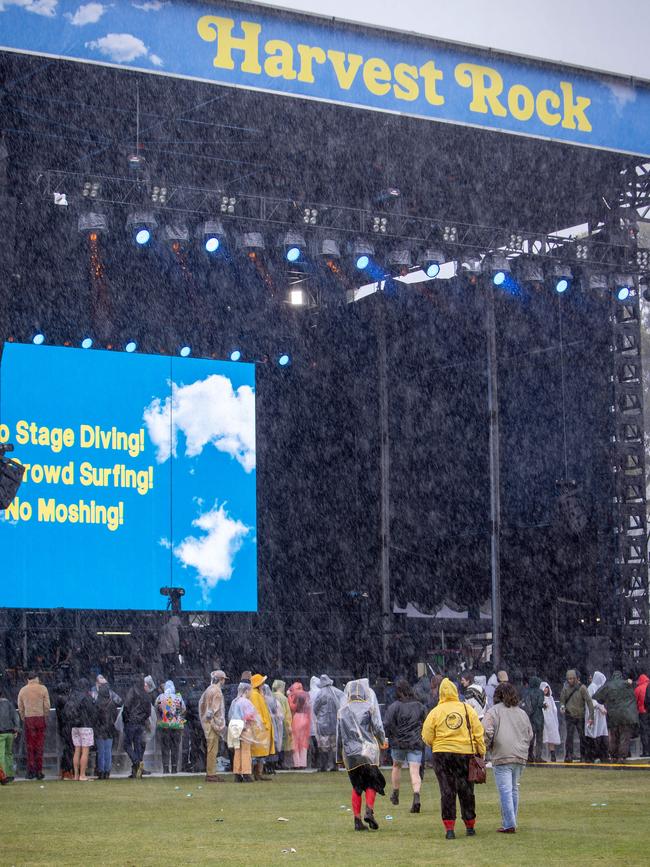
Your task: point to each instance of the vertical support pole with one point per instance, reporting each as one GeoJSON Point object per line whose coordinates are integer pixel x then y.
{"type": "Point", "coordinates": [384, 460]}
{"type": "Point", "coordinates": [495, 481]}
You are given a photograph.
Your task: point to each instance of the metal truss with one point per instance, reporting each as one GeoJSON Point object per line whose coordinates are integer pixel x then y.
{"type": "Point", "coordinates": [321, 219]}
{"type": "Point", "coordinates": [628, 465]}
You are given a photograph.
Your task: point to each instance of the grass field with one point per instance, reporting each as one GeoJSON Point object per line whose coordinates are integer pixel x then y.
{"type": "Point", "coordinates": [151, 822]}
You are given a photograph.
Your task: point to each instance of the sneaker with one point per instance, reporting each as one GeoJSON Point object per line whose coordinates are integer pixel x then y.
{"type": "Point", "coordinates": [394, 798]}
{"type": "Point", "coordinates": [358, 824]}
{"type": "Point", "coordinates": [450, 835]}
{"type": "Point", "coordinates": [506, 830]}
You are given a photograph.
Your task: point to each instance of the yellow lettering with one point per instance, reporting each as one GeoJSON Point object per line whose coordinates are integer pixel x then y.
{"type": "Point", "coordinates": [521, 102]}
{"type": "Point", "coordinates": [574, 110]}
{"type": "Point", "coordinates": [280, 62]}
{"type": "Point", "coordinates": [406, 86]}
{"type": "Point", "coordinates": [486, 84]}
{"type": "Point", "coordinates": [212, 28]}
{"type": "Point", "coordinates": [544, 99]}
{"type": "Point", "coordinates": [431, 77]}
{"type": "Point", "coordinates": [309, 55]}
{"type": "Point", "coordinates": [22, 432]}
{"type": "Point", "coordinates": [345, 76]}
{"type": "Point", "coordinates": [376, 76]}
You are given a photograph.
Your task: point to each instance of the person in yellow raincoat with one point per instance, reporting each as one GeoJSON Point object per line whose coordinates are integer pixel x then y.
{"type": "Point", "coordinates": [264, 744]}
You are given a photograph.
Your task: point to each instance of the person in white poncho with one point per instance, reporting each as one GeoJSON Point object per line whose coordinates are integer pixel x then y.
{"type": "Point", "coordinates": [551, 735]}
{"type": "Point", "coordinates": [597, 735]}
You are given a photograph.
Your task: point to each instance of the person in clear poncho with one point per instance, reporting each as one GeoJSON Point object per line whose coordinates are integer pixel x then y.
{"type": "Point", "coordinates": [286, 752]}
{"type": "Point", "coordinates": [277, 720]}
{"type": "Point", "coordinates": [325, 710]}
{"type": "Point", "coordinates": [244, 729]}
{"type": "Point", "coordinates": [359, 739]}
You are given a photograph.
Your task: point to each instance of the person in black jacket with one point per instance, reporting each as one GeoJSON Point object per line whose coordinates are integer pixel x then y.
{"type": "Point", "coordinates": [137, 708]}
{"type": "Point", "coordinates": [61, 696]}
{"type": "Point", "coordinates": [403, 725]}
{"type": "Point", "coordinates": [104, 730]}
{"type": "Point", "coordinates": [81, 715]}
{"type": "Point", "coordinates": [533, 704]}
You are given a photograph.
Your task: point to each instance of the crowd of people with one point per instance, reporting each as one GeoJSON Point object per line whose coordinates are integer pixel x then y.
{"type": "Point", "coordinates": [445, 724]}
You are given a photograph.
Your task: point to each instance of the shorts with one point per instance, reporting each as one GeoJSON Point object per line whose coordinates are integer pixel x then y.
{"type": "Point", "coordinates": [413, 757]}
{"type": "Point", "coordinates": [83, 737]}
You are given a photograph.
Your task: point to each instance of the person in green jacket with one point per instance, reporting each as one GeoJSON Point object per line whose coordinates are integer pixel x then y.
{"type": "Point", "coordinates": [622, 714]}
{"type": "Point", "coordinates": [573, 699]}
{"type": "Point", "coordinates": [533, 704]}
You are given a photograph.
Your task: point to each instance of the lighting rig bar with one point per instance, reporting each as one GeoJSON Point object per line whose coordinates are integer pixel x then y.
{"type": "Point", "coordinates": [75, 188]}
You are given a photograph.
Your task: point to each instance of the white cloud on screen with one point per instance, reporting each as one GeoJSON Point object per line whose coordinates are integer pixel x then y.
{"type": "Point", "coordinates": [123, 48]}
{"type": "Point", "coordinates": [212, 554]}
{"type": "Point", "coordinates": [47, 8]}
{"type": "Point", "coordinates": [87, 13]}
{"type": "Point", "coordinates": [207, 412]}
{"type": "Point", "coordinates": [150, 5]}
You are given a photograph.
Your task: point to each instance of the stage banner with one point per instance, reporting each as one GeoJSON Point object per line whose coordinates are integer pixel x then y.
{"type": "Point", "coordinates": [139, 474]}
{"type": "Point", "coordinates": [247, 46]}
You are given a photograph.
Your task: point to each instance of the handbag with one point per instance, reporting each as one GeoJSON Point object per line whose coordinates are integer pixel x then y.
{"type": "Point", "coordinates": [476, 770]}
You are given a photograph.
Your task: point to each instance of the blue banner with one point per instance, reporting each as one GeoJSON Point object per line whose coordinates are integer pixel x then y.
{"type": "Point", "coordinates": [139, 474]}
{"type": "Point", "coordinates": [245, 46]}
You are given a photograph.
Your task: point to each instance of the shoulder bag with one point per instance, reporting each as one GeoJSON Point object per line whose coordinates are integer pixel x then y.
{"type": "Point", "coordinates": [476, 772]}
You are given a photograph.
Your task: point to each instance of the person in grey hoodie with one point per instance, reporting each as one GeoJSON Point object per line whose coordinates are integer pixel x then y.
{"type": "Point", "coordinates": [508, 735]}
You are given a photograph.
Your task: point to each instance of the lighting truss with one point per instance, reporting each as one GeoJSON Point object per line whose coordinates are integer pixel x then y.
{"type": "Point", "coordinates": [460, 239]}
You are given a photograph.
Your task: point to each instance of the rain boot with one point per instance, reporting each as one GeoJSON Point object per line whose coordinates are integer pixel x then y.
{"type": "Point", "coordinates": [553, 755]}
{"type": "Point", "coordinates": [415, 806]}
{"type": "Point", "coordinates": [358, 824]}
{"type": "Point", "coordinates": [394, 797]}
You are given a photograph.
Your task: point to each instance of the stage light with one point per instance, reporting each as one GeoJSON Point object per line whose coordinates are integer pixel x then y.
{"type": "Point", "coordinates": [379, 224]}
{"type": "Point", "coordinates": [528, 269]}
{"type": "Point", "coordinates": [294, 246]}
{"type": "Point", "coordinates": [623, 286]}
{"type": "Point", "coordinates": [499, 278]}
{"type": "Point", "coordinates": [562, 285]}
{"type": "Point", "coordinates": [559, 276]}
{"type": "Point", "coordinates": [131, 346]}
{"type": "Point", "coordinates": [284, 360]}
{"type": "Point", "coordinates": [212, 245]}
{"type": "Point", "coordinates": [498, 266]}
{"type": "Point", "coordinates": [235, 355]}
{"type": "Point", "coordinates": [141, 225]}
{"type": "Point", "coordinates": [38, 339]}
{"type": "Point", "coordinates": [184, 351]}
{"type": "Point", "coordinates": [251, 242]}
{"type": "Point", "coordinates": [159, 195]}
{"type": "Point", "coordinates": [92, 222]}
{"type": "Point", "coordinates": [310, 216]}
{"type": "Point", "coordinates": [399, 259]}
{"type": "Point", "coordinates": [293, 254]}
{"type": "Point", "coordinates": [87, 343]}
{"type": "Point", "coordinates": [296, 297]}
{"type": "Point", "coordinates": [623, 293]}
{"type": "Point", "coordinates": [362, 262]}
{"type": "Point", "coordinates": [212, 235]}
{"type": "Point", "coordinates": [175, 234]}
{"type": "Point", "coordinates": [430, 261]}
{"type": "Point", "coordinates": [450, 234]}
{"type": "Point", "coordinates": [228, 204]}
{"type": "Point", "coordinates": [329, 249]}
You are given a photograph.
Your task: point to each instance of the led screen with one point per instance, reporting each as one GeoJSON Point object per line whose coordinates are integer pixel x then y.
{"type": "Point", "coordinates": [140, 473]}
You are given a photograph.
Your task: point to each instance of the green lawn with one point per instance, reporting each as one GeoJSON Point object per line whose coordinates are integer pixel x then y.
{"type": "Point", "coordinates": [151, 822]}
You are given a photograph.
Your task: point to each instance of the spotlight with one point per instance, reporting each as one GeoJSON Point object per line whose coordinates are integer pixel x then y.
{"type": "Point", "coordinates": [228, 204]}
{"type": "Point", "coordinates": [159, 195]}
{"type": "Point", "coordinates": [176, 234]}
{"type": "Point", "coordinates": [528, 269]}
{"type": "Point", "coordinates": [379, 224]}
{"type": "Point", "coordinates": [141, 225]}
{"type": "Point", "coordinates": [284, 360]}
{"type": "Point", "coordinates": [38, 339]}
{"type": "Point", "coordinates": [450, 234]}
{"type": "Point", "coordinates": [431, 260]}
{"type": "Point", "coordinates": [212, 234]}
{"type": "Point", "coordinates": [362, 253]}
{"type": "Point", "coordinates": [499, 278]}
{"type": "Point", "coordinates": [559, 276]}
{"type": "Point", "coordinates": [184, 351]}
{"type": "Point", "coordinates": [498, 266]}
{"type": "Point", "coordinates": [92, 222]}
{"type": "Point", "coordinates": [235, 355]}
{"type": "Point", "coordinates": [329, 249]}
{"type": "Point", "coordinates": [251, 242]}
{"type": "Point", "coordinates": [87, 343]}
{"type": "Point", "coordinates": [296, 297]}
{"type": "Point", "coordinates": [310, 216]}
{"type": "Point", "coordinates": [294, 246]}
{"type": "Point", "coordinates": [399, 260]}
{"type": "Point", "coordinates": [131, 346]}
{"type": "Point", "coordinates": [362, 262]}
{"type": "Point", "coordinates": [622, 293]}
{"type": "Point", "coordinates": [623, 286]}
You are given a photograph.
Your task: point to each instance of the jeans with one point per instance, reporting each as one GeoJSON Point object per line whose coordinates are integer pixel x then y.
{"type": "Point", "coordinates": [7, 753]}
{"type": "Point", "coordinates": [133, 742]}
{"type": "Point", "coordinates": [104, 754]}
{"type": "Point", "coordinates": [507, 778]}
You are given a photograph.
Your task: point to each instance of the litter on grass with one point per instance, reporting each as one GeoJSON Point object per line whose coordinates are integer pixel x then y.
{"type": "Point", "coordinates": [282, 819]}
{"type": "Point", "coordinates": [389, 818]}
{"type": "Point", "coordinates": [287, 851]}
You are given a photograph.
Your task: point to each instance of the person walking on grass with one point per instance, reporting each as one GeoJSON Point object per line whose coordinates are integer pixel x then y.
{"type": "Point", "coordinates": [325, 709]}
{"type": "Point", "coordinates": [104, 730]}
{"type": "Point", "coordinates": [244, 729]}
{"type": "Point", "coordinates": [9, 726]}
{"type": "Point", "coordinates": [170, 708]}
{"type": "Point", "coordinates": [359, 740]}
{"type": "Point", "coordinates": [136, 713]}
{"type": "Point", "coordinates": [34, 710]}
{"type": "Point", "coordinates": [573, 700]}
{"type": "Point", "coordinates": [533, 704]}
{"type": "Point", "coordinates": [403, 727]}
{"type": "Point", "coordinates": [551, 734]}
{"type": "Point", "coordinates": [508, 735]}
{"type": "Point", "coordinates": [454, 733]}
{"type": "Point", "coordinates": [642, 694]}
{"type": "Point", "coordinates": [622, 715]}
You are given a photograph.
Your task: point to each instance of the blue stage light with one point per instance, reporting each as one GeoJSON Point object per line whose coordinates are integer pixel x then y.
{"type": "Point", "coordinates": [623, 293]}
{"type": "Point", "coordinates": [184, 351]}
{"type": "Point", "coordinates": [293, 254]}
{"type": "Point", "coordinates": [38, 339]}
{"type": "Point", "coordinates": [499, 278]}
{"type": "Point", "coordinates": [131, 346]}
{"type": "Point", "coordinates": [142, 237]}
{"type": "Point", "coordinates": [212, 244]}
{"type": "Point", "coordinates": [235, 355]}
{"type": "Point", "coordinates": [432, 269]}
{"type": "Point", "coordinates": [284, 359]}
{"type": "Point", "coordinates": [362, 262]}
{"type": "Point", "coordinates": [86, 343]}
{"type": "Point", "coordinates": [562, 285]}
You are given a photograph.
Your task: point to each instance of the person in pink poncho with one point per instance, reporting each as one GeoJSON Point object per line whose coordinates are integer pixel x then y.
{"type": "Point", "coordinates": [300, 724]}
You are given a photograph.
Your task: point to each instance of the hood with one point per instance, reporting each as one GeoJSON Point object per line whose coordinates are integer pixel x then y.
{"type": "Point", "coordinates": [598, 679]}
{"type": "Point", "coordinates": [448, 691]}
{"type": "Point", "coordinates": [545, 685]}
{"type": "Point", "coordinates": [493, 680]}
{"type": "Point", "coordinates": [643, 678]}
{"type": "Point", "coordinates": [325, 681]}
{"type": "Point", "coordinates": [296, 687]}
{"type": "Point", "coordinates": [278, 686]}
{"type": "Point", "coordinates": [314, 683]}
{"type": "Point", "coordinates": [534, 682]}
{"type": "Point", "coordinates": [617, 675]}
{"type": "Point", "coordinates": [170, 689]}
{"type": "Point", "coordinates": [481, 680]}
